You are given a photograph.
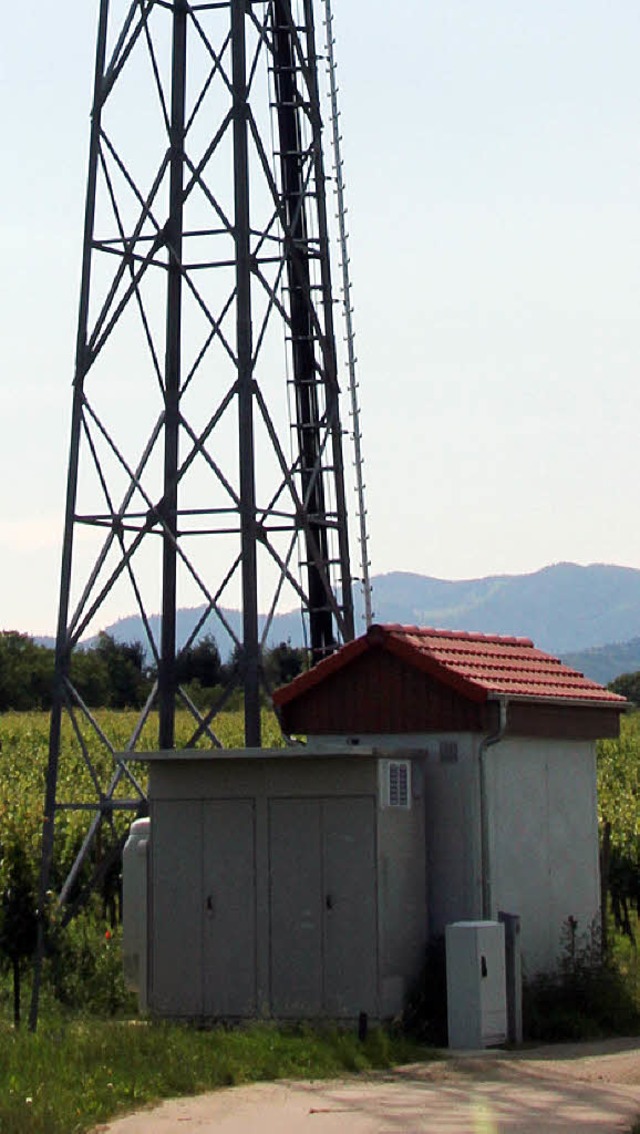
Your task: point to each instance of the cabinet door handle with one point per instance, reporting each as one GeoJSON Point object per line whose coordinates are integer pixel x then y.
{"type": "Point", "coordinates": [209, 904]}
{"type": "Point", "coordinates": [329, 902]}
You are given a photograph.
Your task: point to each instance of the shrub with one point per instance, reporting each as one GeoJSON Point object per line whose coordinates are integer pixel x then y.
{"type": "Point", "coordinates": [18, 920]}
{"type": "Point", "coordinates": [84, 965]}
{"type": "Point", "coordinates": [585, 997]}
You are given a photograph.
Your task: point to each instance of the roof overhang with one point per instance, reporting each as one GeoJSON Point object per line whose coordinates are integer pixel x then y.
{"type": "Point", "coordinates": [229, 755]}
{"type": "Point", "coordinates": [570, 702]}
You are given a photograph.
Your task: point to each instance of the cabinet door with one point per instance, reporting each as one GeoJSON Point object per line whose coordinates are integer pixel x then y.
{"type": "Point", "coordinates": [350, 914]}
{"type": "Point", "coordinates": [229, 908]}
{"type": "Point", "coordinates": [323, 907]}
{"type": "Point", "coordinates": [176, 936]}
{"type": "Point", "coordinates": [493, 985]}
{"type": "Point", "coordinates": [295, 878]}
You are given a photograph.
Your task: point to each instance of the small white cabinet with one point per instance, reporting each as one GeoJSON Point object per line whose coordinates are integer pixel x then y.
{"type": "Point", "coordinates": [476, 984]}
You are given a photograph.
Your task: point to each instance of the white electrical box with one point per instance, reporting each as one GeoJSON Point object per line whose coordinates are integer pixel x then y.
{"type": "Point", "coordinates": [476, 984]}
{"type": "Point", "coordinates": [135, 909]}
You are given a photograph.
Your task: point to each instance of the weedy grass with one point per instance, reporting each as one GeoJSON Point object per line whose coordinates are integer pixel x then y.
{"type": "Point", "coordinates": [76, 1073]}
{"type": "Point", "coordinates": [590, 995]}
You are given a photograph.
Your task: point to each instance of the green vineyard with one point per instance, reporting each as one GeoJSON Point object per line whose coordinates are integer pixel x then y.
{"type": "Point", "coordinates": [79, 954]}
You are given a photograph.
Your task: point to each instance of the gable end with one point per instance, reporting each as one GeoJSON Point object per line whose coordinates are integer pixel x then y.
{"type": "Point", "coordinates": [380, 692]}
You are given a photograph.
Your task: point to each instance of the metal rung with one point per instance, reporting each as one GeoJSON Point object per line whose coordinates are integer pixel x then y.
{"type": "Point", "coordinates": [326, 563]}
{"type": "Point", "coordinates": [105, 807]}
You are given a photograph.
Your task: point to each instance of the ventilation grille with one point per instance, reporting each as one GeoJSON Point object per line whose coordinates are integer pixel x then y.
{"type": "Point", "coordinates": [396, 783]}
{"type": "Point", "coordinates": [448, 752]}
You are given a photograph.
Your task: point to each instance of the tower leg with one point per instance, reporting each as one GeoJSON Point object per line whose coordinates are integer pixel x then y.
{"type": "Point", "coordinates": [173, 367]}
{"type": "Point", "coordinates": [251, 647]}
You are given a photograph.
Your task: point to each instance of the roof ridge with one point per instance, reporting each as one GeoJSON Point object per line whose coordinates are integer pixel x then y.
{"type": "Point", "coordinates": [456, 635]}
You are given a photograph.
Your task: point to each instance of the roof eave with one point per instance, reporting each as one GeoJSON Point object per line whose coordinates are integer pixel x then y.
{"type": "Point", "coordinates": [570, 702]}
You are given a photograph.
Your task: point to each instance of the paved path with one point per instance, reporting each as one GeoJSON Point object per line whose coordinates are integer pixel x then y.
{"type": "Point", "coordinates": [551, 1090]}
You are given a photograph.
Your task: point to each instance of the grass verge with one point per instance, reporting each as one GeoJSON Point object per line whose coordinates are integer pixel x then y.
{"type": "Point", "coordinates": [71, 1076]}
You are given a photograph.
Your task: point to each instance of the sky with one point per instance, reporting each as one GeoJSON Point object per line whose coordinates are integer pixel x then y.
{"type": "Point", "coordinates": [492, 164]}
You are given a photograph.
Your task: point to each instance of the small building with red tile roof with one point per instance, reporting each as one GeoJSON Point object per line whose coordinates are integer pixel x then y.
{"type": "Point", "coordinates": [497, 740]}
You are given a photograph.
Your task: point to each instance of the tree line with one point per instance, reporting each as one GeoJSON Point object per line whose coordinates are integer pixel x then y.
{"type": "Point", "coordinates": [116, 675]}
{"type": "Point", "coordinates": [627, 685]}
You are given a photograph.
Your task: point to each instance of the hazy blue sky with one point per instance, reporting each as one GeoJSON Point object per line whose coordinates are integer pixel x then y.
{"type": "Point", "coordinates": [492, 160]}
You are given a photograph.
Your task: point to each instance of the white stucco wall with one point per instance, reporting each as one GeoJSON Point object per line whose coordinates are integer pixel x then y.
{"type": "Point", "coordinates": [544, 840]}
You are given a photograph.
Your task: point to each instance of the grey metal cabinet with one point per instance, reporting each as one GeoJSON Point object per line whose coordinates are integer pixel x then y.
{"type": "Point", "coordinates": [281, 885]}
{"type": "Point", "coordinates": [204, 909]}
{"type": "Point", "coordinates": [323, 908]}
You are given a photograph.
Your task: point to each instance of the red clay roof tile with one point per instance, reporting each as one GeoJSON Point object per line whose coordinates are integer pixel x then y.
{"type": "Point", "coordinates": [477, 665]}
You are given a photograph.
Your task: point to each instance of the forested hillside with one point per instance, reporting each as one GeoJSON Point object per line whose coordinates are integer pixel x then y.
{"type": "Point", "coordinates": [563, 608]}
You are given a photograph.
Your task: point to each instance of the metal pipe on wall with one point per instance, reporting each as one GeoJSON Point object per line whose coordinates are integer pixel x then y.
{"type": "Point", "coordinates": [485, 847]}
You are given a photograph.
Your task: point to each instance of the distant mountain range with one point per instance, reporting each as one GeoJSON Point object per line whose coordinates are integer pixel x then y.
{"type": "Point", "coordinates": [588, 616]}
{"type": "Point", "coordinates": [562, 608]}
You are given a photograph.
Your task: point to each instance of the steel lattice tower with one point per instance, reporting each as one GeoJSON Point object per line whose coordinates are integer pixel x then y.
{"type": "Point", "coordinates": [205, 395]}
